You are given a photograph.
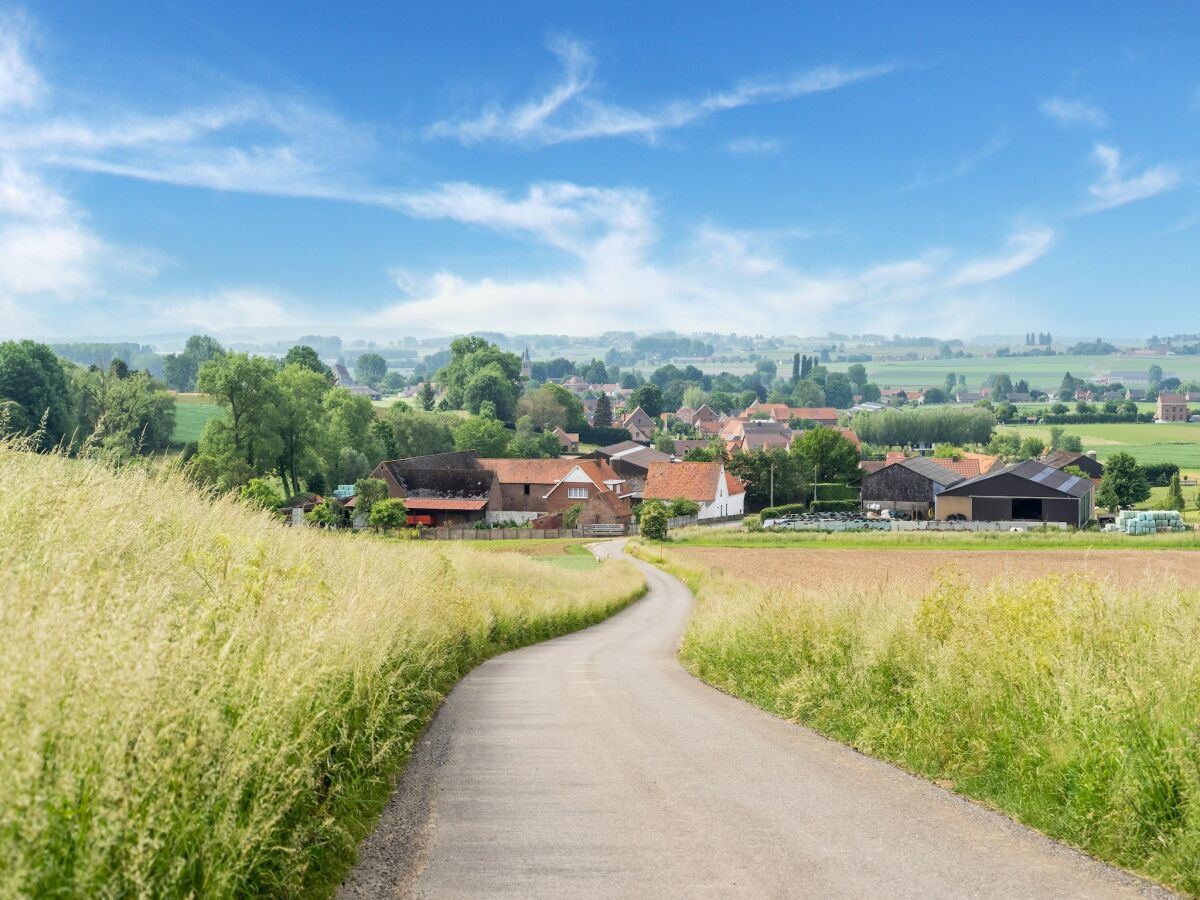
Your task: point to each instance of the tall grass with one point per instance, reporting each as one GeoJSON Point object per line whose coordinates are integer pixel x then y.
{"type": "Point", "coordinates": [197, 701]}
{"type": "Point", "coordinates": [1072, 706]}
{"type": "Point", "coordinates": [939, 540]}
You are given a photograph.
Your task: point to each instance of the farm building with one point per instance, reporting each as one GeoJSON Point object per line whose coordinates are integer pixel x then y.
{"type": "Point", "coordinates": [441, 489]}
{"type": "Point", "coordinates": [631, 461]}
{"type": "Point", "coordinates": [1025, 492]}
{"type": "Point", "coordinates": [1061, 459]}
{"type": "Point", "coordinates": [907, 488]}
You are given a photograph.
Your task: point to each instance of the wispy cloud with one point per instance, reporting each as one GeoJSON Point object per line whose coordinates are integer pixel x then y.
{"type": "Point", "coordinates": [754, 146]}
{"type": "Point", "coordinates": [1118, 186]}
{"type": "Point", "coordinates": [20, 84]}
{"type": "Point", "coordinates": [1073, 112]}
{"type": "Point", "coordinates": [963, 167]}
{"type": "Point", "coordinates": [571, 111]}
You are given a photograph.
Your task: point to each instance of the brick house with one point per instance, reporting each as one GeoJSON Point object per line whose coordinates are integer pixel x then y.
{"type": "Point", "coordinates": [639, 425]}
{"type": "Point", "coordinates": [568, 441]}
{"type": "Point", "coordinates": [1172, 408]}
{"type": "Point", "coordinates": [532, 487]}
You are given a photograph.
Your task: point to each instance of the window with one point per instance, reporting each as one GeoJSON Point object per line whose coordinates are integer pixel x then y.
{"type": "Point", "coordinates": [577, 493]}
{"type": "Point", "coordinates": [526, 489]}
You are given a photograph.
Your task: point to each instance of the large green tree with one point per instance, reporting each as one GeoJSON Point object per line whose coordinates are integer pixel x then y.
{"type": "Point", "coordinates": [351, 422]}
{"type": "Point", "coordinates": [486, 436]}
{"type": "Point", "coordinates": [649, 397]}
{"type": "Point", "coordinates": [181, 371]}
{"type": "Point", "coordinates": [370, 368]}
{"type": "Point", "coordinates": [126, 416]}
{"type": "Point", "coordinates": [757, 467]}
{"type": "Point", "coordinates": [419, 433]}
{"type": "Point", "coordinates": [299, 422]}
{"type": "Point", "coordinates": [34, 392]}
{"type": "Point", "coordinates": [826, 455]}
{"type": "Point", "coordinates": [479, 370]}
{"type": "Point", "coordinates": [306, 356]}
{"type": "Point", "coordinates": [1123, 484]}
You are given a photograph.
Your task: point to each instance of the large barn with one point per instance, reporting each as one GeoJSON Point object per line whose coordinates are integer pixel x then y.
{"type": "Point", "coordinates": [907, 487]}
{"type": "Point", "coordinates": [1025, 492]}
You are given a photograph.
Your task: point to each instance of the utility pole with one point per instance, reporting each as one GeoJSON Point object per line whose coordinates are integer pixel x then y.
{"type": "Point", "coordinates": [772, 484]}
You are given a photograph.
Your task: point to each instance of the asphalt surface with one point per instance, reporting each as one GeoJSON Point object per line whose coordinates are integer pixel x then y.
{"type": "Point", "coordinates": [594, 766]}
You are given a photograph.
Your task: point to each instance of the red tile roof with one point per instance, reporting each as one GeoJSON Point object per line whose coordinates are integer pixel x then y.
{"type": "Point", "coordinates": [967, 468]}
{"type": "Point", "coordinates": [548, 471]}
{"type": "Point", "coordinates": [692, 480]}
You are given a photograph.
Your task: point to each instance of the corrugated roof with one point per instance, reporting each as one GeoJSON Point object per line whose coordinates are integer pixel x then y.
{"type": "Point", "coordinates": [1034, 471]}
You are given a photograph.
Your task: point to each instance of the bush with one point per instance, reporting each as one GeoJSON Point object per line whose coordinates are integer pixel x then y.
{"type": "Point", "coordinates": [833, 491]}
{"type": "Point", "coordinates": [652, 524]}
{"type": "Point", "coordinates": [1159, 474]}
{"type": "Point", "coordinates": [820, 506]}
{"type": "Point", "coordinates": [681, 506]}
{"type": "Point", "coordinates": [602, 437]}
{"type": "Point", "coordinates": [786, 509]}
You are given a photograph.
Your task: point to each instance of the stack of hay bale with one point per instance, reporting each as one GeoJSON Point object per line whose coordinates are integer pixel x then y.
{"type": "Point", "coordinates": [1143, 521]}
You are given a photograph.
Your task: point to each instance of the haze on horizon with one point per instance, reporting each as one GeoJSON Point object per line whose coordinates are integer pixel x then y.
{"type": "Point", "coordinates": [937, 170]}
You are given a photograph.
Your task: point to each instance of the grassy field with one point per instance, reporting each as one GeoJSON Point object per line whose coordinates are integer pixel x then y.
{"type": "Point", "coordinates": [1068, 701]}
{"type": "Point", "coordinates": [192, 412]}
{"type": "Point", "coordinates": [1149, 443]}
{"type": "Point", "coordinates": [939, 540]}
{"type": "Point", "coordinates": [197, 701]}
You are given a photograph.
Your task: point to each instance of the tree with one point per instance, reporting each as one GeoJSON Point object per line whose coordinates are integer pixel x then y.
{"type": "Point", "coordinates": [602, 417]}
{"type": "Point", "coordinates": [528, 443]}
{"type": "Point", "coordinates": [388, 514]}
{"type": "Point", "coordinates": [303, 355]}
{"type": "Point", "coordinates": [649, 397]}
{"type": "Point", "coordinates": [367, 493]}
{"type": "Point", "coordinates": [871, 392]}
{"type": "Point", "coordinates": [857, 374]}
{"type": "Point", "coordinates": [487, 437]}
{"type": "Point", "coordinates": [326, 514]}
{"type": "Point", "coordinates": [126, 415]}
{"type": "Point", "coordinates": [682, 506]}
{"type": "Point", "coordinates": [838, 391]}
{"type": "Point", "coordinates": [795, 368]}
{"type": "Point", "coordinates": [1156, 374]}
{"type": "Point", "coordinates": [808, 394]}
{"type": "Point", "coordinates": [664, 442]}
{"type": "Point", "coordinates": [479, 370]}
{"type": "Point", "coordinates": [181, 371]}
{"type": "Point", "coordinates": [547, 407]}
{"type": "Point", "coordinates": [1175, 494]}
{"type": "Point", "coordinates": [934, 396]}
{"type": "Point", "coordinates": [652, 523]}
{"type": "Point", "coordinates": [1071, 442]}
{"type": "Point", "coordinates": [1002, 386]}
{"type": "Point", "coordinates": [348, 466]}
{"type": "Point", "coordinates": [426, 397]}
{"type": "Point", "coordinates": [350, 424]}
{"type": "Point", "coordinates": [1056, 437]}
{"type": "Point", "coordinates": [370, 369]}
{"type": "Point", "coordinates": [34, 392]}
{"type": "Point", "coordinates": [1124, 483]}
{"type": "Point", "coordinates": [693, 397]}
{"type": "Point", "coordinates": [755, 468]}
{"type": "Point", "coordinates": [1031, 447]}
{"type": "Point", "coordinates": [951, 382]}
{"type": "Point", "coordinates": [1005, 444]}
{"type": "Point", "coordinates": [571, 515]}
{"type": "Point", "coordinates": [260, 492]}
{"type": "Point", "coordinates": [419, 433]}
{"type": "Point", "coordinates": [826, 455]}
{"type": "Point", "coordinates": [299, 421]}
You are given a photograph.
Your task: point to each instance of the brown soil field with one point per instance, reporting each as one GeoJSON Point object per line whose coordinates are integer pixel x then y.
{"type": "Point", "coordinates": [910, 570]}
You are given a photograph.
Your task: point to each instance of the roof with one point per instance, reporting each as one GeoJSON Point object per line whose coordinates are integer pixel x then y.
{"type": "Point", "coordinates": [683, 446]}
{"type": "Point", "coordinates": [1030, 470]}
{"type": "Point", "coordinates": [548, 471]}
{"type": "Point", "coordinates": [620, 446]}
{"type": "Point", "coordinates": [618, 507]}
{"type": "Point", "coordinates": [1171, 398]}
{"type": "Point", "coordinates": [967, 468]}
{"type": "Point", "coordinates": [443, 503]}
{"type": "Point", "coordinates": [987, 462]}
{"type": "Point", "coordinates": [1060, 459]}
{"type": "Point", "coordinates": [870, 466]}
{"type": "Point", "coordinates": [934, 471]}
{"type": "Point", "coordinates": [691, 480]}
{"type": "Point", "coordinates": [814, 412]}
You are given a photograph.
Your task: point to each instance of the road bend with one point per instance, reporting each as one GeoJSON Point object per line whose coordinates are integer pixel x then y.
{"type": "Point", "coordinates": [593, 765]}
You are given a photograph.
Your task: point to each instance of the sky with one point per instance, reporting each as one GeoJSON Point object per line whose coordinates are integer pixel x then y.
{"type": "Point", "coordinates": [916, 168]}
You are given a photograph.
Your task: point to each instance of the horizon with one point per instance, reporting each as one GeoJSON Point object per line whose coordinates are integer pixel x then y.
{"type": "Point", "coordinates": [552, 171]}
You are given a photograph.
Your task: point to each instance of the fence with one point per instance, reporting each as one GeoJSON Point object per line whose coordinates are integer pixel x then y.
{"type": "Point", "coordinates": [511, 534]}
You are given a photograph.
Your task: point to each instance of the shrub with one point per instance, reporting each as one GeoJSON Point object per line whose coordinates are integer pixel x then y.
{"type": "Point", "coordinates": [786, 509]}
{"type": "Point", "coordinates": [681, 506]}
{"type": "Point", "coordinates": [652, 524]}
{"type": "Point", "coordinates": [571, 515]}
{"type": "Point", "coordinates": [388, 514]}
{"type": "Point", "coordinates": [834, 491]}
{"type": "Point", "coordinates": [820, 506]}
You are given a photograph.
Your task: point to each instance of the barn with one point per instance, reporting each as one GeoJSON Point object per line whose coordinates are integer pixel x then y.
{"type": "Point", "coordinates": [1087, 462]}
{"type": "Point", "coordinates": [907, 488]}
{"type": "Point", "coordinates": [1025, 492]}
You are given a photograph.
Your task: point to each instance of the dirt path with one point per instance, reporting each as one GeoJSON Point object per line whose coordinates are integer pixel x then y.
{"type": "Point", "coordinates": [594, 766]}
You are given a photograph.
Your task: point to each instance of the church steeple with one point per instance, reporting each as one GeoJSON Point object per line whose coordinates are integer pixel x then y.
{"type": "Point", "coordinates": [526, 364]}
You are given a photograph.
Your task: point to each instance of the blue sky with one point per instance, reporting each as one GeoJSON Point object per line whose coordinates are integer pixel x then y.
{"type": "Point", "coordinates": [915, 168]}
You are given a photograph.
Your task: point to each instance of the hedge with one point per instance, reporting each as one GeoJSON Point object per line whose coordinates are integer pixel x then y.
{"type": "Point", "coordinates": [820, 506]}
{"type": "Point", "coordinates": [784, 509]}
{"type": "Point", "coordinates": [1159, 474]}
{"type": "Point", "coordinates": [602, 437]}
{"type": "Point", "coordinates": [833, 491]}
{"type": "Point", "coordinates": [1097, 418]}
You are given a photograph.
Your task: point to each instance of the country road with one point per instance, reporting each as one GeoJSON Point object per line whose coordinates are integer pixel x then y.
{"type": "Point", "coordinates": [594, 766]}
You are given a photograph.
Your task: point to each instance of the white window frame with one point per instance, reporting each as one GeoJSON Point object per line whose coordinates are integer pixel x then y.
{"type": "Point", "coordinates": [577, 493]}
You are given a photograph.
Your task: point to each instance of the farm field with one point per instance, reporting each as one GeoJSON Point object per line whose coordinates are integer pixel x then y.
{"type": "Point", "coordinates": [1147, 442]}
{"type": "Point", "coordinates": [1059, 686]}
{"type": "Point", "coordinates": [199, 701]}
{"type": "Point", "coordinates": [192, 412]}
{"type": "Point", "coordinates": [940, 541]}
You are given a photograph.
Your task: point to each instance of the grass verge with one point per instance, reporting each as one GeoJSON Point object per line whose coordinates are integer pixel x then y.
{"type": "Point", "coordinates": [197, 701]}
{"type": "Point", "coordinates": [1061, 701]}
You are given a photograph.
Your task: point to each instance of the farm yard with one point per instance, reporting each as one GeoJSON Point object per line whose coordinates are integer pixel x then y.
{"type": "Point", "coordinates": [1060, 686]}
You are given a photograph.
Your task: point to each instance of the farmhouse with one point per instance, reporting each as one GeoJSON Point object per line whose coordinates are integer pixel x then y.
{"type": "Point", "coordinates": [1061, 459]}
{"type": "Point", "coordinates": [568, 441]}
{"type": "Point", "coordinates": [718, 493]}
{"type": "Point", "coordinates": [907, 488]}
{"type": "Point", "coordinates": [1172, 408]}
{"type": "Point", "coordinates": [639, 425]}
{"type": "Point", "coordinates": [1025, 492]}
{"type": "Point", "coordinates": [532, 487]}
{"type": "Point", "coordinates": [441, 489]}
{"type": "Point", "coordinates": [631, 461]}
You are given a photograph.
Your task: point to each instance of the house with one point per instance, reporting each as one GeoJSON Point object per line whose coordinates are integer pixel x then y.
{"type": "Point", "coordinates": [576, 385]}
{"type": "Point", "coordinates": [970, 396]}
{"type": "Point", "coordinates": [681, 447]}
{"type": "Point", "coordinates": [567, 440]}
{"type": "Point", "coordinates": [361, 390]}
{"type": "Point", "coordinates": [1025, 492]}
{"type": "Point", "coordinates": [1018, 396]}
{"type": "Point", "coordinates": [1084, 395]}
{"type": "Point", "coordinates": [461, 488]}
{"type": "Point", "coordinates": [867, 406]}
{"type": "Point", "coordinates": [986, 461]}
{"type": "Point", "coordinates": [1061, 459]}
{"type": "Point", "coordinates": [756, 434]}
{"type": "Point", "coordinates": [631, 461]}
{"type": "Point", "coordinates": [781, 412]}
{"type": "Point", "coordinates": [908, 488]}
{"type": "Point", "coordinates": [1137, 395]}
{"type": "Point", "coordinates": [1172, 408]}
{"type": "Point", "coordinates": [707, 483]}
{"type": "Point", "coordinates": [639, 425]}
{"type": "Point", "coordinates": [1192, 396]}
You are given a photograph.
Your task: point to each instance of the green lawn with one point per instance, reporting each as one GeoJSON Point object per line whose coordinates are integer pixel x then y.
{"type": "Point", "coordinates": [192, 412]}
{"type": "Point", "coordinates": [1149, 443]}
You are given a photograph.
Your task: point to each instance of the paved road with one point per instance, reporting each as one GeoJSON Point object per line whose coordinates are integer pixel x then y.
{"type": "Point", "coordinates": [594, 766]}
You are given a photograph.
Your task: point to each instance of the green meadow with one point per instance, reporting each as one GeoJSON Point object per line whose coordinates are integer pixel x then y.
{"type": "Point", "coordinates": [1147, 442]}
{"type": "Point", "coordinates": [192, 412]}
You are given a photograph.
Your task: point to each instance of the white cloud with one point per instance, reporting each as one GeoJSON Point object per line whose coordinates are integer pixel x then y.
{"type": "Point", "coordinates": [963, 167]}
{"type": "Point", "coordinates": [1073, 112]}
{"type": "Point", "coordinates": [614, 277]}
{"type": "Point", "coordinates": [224, 310]}
{"type": "Point", "coordinates": [569, 111]}
{"type": "Point", "coordinates": [755, 146]}
{"type": "Point", "coordinates": [20, 84]}
{"type": "Point", "coordinates": [1116, 186]}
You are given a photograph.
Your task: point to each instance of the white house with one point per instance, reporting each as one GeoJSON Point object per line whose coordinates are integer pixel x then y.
{"type": "Point", "coordinates": [707, 483]}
